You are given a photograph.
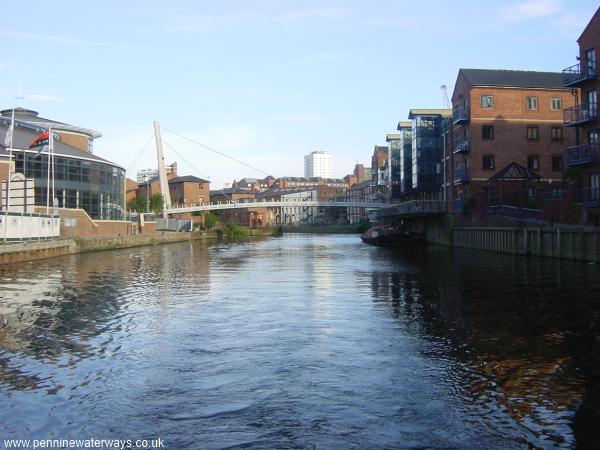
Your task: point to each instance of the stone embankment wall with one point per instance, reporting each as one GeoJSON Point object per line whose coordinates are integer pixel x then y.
{"type": "Point", "coordinates": [31, 251]}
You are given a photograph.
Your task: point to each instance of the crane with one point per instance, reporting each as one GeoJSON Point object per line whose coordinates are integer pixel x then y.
{"type": "Point", "coordinates": [445, 95]}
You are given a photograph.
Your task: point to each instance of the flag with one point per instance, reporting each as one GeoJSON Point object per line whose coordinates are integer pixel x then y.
{"type": "Point", "coordinates": [41, 141]}
{"type": "Point", "coordinates": [9, 133]}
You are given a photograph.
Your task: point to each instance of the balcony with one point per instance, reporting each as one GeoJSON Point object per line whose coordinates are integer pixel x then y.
{"type": "Point", "coordinates": [579, 73]}
{"type": "Point", "coordinates": [460, 115]}
{"type": "Point", "coordinates": [580, 114]}
{"type": "Point", "coordinates": [581, 155]}
{"type": "Point", "coordinates": [591, 197]}
{"type": "Point", "coordinates": [461, 175]}
{"type": "Point", "coordinates": [461, 145]}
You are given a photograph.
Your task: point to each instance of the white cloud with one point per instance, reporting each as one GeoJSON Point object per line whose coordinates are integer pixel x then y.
{"type": "Point", "coordinates": [43, 97]}
{"type": "Point", "coordinates": [532, 9]}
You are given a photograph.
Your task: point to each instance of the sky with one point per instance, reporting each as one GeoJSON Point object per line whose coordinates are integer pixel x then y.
{"type": "Point", "coordinates": [264, 81]}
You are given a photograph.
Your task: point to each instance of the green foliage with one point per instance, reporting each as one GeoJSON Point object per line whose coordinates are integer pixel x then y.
{"type": "Point", "coordinates": [233, 231]}
{"type": "Point", "coordinates": [137, 204]}
{"type": "Point", "coordinates": [363, 226]}
{"type": "Point", "coordinates": [156, 203]}
{"type": "Point", "coordinates": [210, 220]}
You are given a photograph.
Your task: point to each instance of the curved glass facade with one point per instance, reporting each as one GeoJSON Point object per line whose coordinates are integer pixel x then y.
{"type": "Point", "coordinates": [94, 186]}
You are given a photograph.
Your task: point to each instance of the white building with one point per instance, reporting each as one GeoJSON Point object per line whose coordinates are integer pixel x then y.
{"type": "Point", "coordinates": [146, 174]}
{"type": "Point", "coordinates": [318, 164]}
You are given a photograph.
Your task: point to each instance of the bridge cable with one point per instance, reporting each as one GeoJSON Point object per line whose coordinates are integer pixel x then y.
{"type": "Point", "coordinates": [139, 155]}
{"type": "Point", "coordinates": [192, 166]}
{"type": "Point", "coordinates": [216, 151]}
{"type": "Point", "coordinates": [185, 160]}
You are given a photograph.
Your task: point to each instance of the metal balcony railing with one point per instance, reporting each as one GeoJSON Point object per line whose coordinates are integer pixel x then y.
{"type": "Point", "coordinates": [579, 73]}
{"type": "Point", "coordinates": [461, 145]}
{"type": "Point", "coordinates": [591, 197]}
{"type": "Point", "coordinates": [516, 213]}
{"type": "Point", "coordinates": [460, 114]}
{"type": "Point", "coordinates": [580, 114]}
{"type": "Point", "coordinates": [579, 155]}
{"type": "Point", "coordinates": [461, 175]}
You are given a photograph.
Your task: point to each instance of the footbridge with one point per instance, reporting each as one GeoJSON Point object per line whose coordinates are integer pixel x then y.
{"type": "Point", "coordinates": [275, 204]}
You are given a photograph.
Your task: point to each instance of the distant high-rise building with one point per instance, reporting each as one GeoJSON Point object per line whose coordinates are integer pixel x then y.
{"type": "Point", "coordinates": [362, 173]}
{"type": "Point", "coordinates": [318, 164]}
{"type": "Point", "coordinates": [147, 174]}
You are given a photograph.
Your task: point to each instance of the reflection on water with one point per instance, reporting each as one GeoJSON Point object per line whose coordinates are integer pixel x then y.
{"type": "Point", "coordinates": [302, 341]}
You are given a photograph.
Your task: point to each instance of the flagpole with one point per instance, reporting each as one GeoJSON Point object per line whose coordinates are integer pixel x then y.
{"type": "Point", "coordinates": [48, 177]}
{"type": "Point", "coordinates": [11, 130]}
{"type": "Point", "coordinates": [51, 142]}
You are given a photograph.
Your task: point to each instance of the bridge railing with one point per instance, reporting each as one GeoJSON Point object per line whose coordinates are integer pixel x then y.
{"type": "Point", "coordinates": [414, 207]}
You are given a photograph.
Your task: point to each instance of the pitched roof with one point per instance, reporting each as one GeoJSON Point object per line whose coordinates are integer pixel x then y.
{"type": "Point", "coordinates": [188, 179]}
{"type": "Point", "coordinates": [183, 179]}
{"type": "Point", "coordinates": [514, 172]}
{"type": "Point", "coordinates": [512, 78]}
{"type": "Point", "coordinates": [594, 18]}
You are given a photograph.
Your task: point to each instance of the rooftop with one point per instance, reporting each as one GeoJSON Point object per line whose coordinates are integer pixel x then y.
{"type": "Point", "coordinates": [512, 78]}
{"type": "Point", "coordinates": [429, 112]}
{"type": "Point", "coordinates": [27, 116]}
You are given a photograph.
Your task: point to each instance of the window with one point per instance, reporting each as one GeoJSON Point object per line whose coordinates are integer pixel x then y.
{"type": "Point", "coordinates": [590, 59]}
{"type": "Point", "coordinates": [557, 163]}
{"type": "Point", "coordinates": [487, 101]}
{"type": "Point", "coordinates": [532, 103]}
{"type": "Point", "coordinates": [531, 191]}
{"type": "Point", "coordinates": [556, 133]}
{"type": "Point", "coordinates": [487, 162]}
{"type": "Point", "coordinates": [487, 132]}
{"type": "Point", "coordinates": [533, 162]}
{"type": "Point", "coordinates": [533, 134]}
{"type": "Point", "coordinates": [556, 103]}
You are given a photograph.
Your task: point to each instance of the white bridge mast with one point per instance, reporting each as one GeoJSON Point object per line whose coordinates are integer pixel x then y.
{"type": "Point", "coordinates": [162, 172]}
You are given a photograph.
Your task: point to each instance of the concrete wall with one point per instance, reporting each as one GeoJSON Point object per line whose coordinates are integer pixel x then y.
{"type": "Point", "coordinates": [566, 243]}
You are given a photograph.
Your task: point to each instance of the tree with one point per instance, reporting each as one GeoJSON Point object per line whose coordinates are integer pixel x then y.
{"type": "Point", "coordinates": [156, 203]}
{"type": "Point", "coordinates": [210, 220]}
{"type": "Point", "coordinates": [137, 204]}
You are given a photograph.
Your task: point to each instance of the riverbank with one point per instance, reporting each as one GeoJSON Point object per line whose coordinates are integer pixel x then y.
{"type": "Point", "coordinates": [32, 251]}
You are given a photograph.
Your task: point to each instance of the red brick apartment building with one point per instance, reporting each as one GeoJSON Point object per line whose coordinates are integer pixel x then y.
{"type": "Point", "coordinates": [582, 160]}
{"type": "Point", "coordinates": [505, 118]}
{"type": "Point", "coordinates": [185, 190]}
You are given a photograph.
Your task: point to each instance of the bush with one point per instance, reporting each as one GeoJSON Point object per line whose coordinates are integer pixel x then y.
{"type": "Point", "coordinates": [233, 231]}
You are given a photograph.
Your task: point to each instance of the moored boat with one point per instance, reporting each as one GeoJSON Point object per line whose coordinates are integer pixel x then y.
{"type": "Point", "coordinates": [387, 236]}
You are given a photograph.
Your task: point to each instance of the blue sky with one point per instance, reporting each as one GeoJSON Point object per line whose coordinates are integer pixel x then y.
{"type": "Point", "coordinates": [265, 81]}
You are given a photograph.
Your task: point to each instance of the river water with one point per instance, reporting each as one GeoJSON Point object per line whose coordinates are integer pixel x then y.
{"type": "Point", "coordinates": [303, 341]}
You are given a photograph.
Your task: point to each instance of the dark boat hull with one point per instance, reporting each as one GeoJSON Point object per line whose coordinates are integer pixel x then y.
{"type": "Point", "coordinates": [393, 241]}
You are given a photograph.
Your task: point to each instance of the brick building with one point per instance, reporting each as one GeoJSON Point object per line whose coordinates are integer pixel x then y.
{"type": "Point", "coordinates": [362, 173]}
{"type": "Point", "coordinates": [186, 190]}
{"type": "Point", "coordinates": [502, 117]}
{"type": "Point", "coordinates": [582, 157]}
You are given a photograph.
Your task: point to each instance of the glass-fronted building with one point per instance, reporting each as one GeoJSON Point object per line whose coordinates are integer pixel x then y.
{"type": "Point", "coordinates": [81, 179]}
{"type": "Point", "coordinates": [427, 148]}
